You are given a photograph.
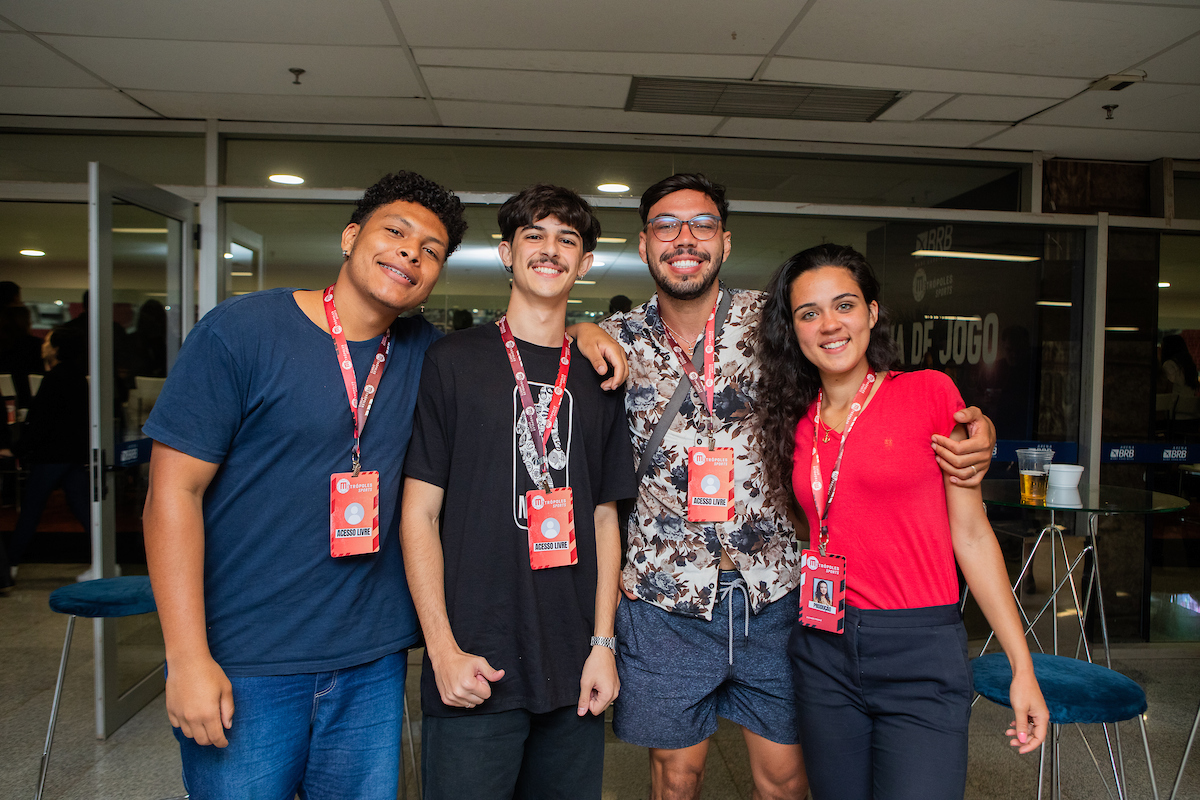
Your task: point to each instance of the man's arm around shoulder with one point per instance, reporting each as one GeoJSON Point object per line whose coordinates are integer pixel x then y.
{"type": "Point", "coordinates": [199, 695]}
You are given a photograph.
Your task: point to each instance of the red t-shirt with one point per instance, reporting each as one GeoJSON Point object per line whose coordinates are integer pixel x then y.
{"type": "Point", "coordinates": [888, 516]}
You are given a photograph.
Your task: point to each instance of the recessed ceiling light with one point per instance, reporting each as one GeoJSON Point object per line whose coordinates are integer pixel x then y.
{"type": "Point", "coordinates": [586, 283]}
{"type": "Point", "coordinates": [574, 301]}
{"type": "Point", "coordinates": [291, 180]}
{"type": "Point", "coordinates": [139, 230]}
{"type": "Point", "coordinates": [1164, 285]}
{"type": "Point", "coordinates": [497, 236]}
{"type": "Point", "coordinates": [613, 187]}
{"type": "Point", "coordinates": [34, 253]}
{"type": "Point", "coordinates": [1122, 329]}
{"type": "Point", "coordinates": [229, 255]}
{"type": "Point", "coordinates": [977, 256]}
{"type": "Point", "coordinates": [1056, 303]}
{"type": "Point", "coordinates": [598, 263]}
{"type": "Point", "coordinates": [242, 274]}
{"type": "Point", "coordinates": [611, 240]}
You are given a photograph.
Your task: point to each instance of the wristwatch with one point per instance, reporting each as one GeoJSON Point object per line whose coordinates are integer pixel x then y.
{"type": "Point", "coordinates": [607, 641]}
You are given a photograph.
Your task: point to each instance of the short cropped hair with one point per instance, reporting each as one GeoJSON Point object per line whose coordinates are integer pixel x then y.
{"type": "Point", "coordinates": [695, 181]}
{"type": "Point", "coordinates": [414, 188]}
{"type": "Point", "coordinates": [543, 200]}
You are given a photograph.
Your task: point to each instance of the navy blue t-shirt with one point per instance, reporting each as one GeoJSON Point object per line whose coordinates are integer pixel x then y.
{"type": "Point", "coordinates": [257, 389]}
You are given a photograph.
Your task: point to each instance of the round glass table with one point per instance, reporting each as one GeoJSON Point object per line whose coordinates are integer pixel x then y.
{"type": "Point", "coordinates": [1095, 501]}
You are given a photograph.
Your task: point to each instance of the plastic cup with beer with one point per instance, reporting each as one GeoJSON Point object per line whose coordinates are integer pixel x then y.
{"type": "Point", "coordinates": [1034, 467]}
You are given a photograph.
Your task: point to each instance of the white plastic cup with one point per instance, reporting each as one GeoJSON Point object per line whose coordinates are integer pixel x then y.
{"type": "Point", "coordinates": [1065, 476]}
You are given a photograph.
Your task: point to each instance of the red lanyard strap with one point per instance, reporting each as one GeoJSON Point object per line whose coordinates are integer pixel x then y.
{"type": "Point", "coordinates": [823, 501]}
{"type": "Point", "coordinates": [358, 410]}
{"type": "Point", "coordinates": [704, 389]}
{"type": "Point", "coordinates": [530, 409]}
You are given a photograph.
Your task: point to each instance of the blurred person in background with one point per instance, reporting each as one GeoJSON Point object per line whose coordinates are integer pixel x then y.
{"type": "Point", "coordinates": [54, 444]}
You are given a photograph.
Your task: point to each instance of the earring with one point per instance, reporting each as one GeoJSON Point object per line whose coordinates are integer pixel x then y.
{"type": "Point", "coordinates": [345, 254]}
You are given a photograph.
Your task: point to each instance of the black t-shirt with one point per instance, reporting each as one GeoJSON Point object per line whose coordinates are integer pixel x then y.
{"type": "Point", "coordinates": [469, 438]}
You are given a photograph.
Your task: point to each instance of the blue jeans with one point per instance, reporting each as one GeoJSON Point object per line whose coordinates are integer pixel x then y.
{"type": "Point", "coordinates": [332, 735]}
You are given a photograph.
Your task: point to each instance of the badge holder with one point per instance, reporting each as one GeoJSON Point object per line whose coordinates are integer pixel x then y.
{"type": "Point", "coordinates": [823, 591]}
{"type": "Point", "coordinates": [353, 514]}
{"type": "Point", "coordinates": [551, 517]}
{"type": "Point", "coordinates": [710, 483]}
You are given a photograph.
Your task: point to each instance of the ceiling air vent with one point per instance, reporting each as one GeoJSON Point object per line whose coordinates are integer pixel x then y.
{"type": "Point", "coordinates": [755, 99]}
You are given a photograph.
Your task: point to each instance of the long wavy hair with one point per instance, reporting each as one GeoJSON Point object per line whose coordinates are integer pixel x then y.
{"type": "Point", "coordinates": [789, 382]}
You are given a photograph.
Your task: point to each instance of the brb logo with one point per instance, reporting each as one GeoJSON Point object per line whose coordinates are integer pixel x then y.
{"type": "Point", "coordinates": [538, 503]}
{"type": "Point", "coordinates": [343, 485]}
{"type": "Point", "coordinates": [698, 458]}
{"type": "Point", "coordinates": [812, 562]}
{"type": "Point", "coordinates": [1120, 454]}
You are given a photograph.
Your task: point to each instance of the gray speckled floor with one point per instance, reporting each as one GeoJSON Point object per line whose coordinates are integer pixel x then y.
{"type": "Point", "coordinates": [141, 761]}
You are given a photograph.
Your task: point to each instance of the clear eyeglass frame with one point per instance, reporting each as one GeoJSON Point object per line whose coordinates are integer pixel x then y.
{"type": "Point", "coordinates": [667, 228]}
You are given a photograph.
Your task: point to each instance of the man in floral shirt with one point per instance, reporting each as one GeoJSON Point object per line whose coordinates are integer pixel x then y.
{"type": "Point", "coordinates": [703, 633]}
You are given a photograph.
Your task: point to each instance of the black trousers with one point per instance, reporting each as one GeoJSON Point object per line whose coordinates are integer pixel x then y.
{"type": "Point", "coordinates": [513, 754]}
{"type": "Point", "coordinates": [44, 479]}
{"type": "Point", "coordinates": [884, 707]}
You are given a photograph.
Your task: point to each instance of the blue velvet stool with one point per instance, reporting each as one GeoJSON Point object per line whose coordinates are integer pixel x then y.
{"type": "Point", "coordinates": [1076, 692]}
{"type": "Point", "coordinates": [107, 597]}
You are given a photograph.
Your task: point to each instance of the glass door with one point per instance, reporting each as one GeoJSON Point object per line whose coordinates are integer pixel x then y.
{"type": "Point", "coordinates": [140, 280]}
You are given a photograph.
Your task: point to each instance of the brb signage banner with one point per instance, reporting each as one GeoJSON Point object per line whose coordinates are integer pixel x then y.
{"type": "Point", "coordinates": [972, 318]}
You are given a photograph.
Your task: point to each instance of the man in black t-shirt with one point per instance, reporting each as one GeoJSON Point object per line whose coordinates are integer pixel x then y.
{"type": "Point", "coordinates": [509, 529]}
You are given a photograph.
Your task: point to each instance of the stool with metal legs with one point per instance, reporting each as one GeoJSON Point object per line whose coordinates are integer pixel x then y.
{"type": "Point", "coordinates": [1076, 692]}
{"type": "Point", "coordinates": [108, 597]}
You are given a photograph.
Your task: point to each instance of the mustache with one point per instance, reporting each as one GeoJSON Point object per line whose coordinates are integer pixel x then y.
{"type": "Point", "coordinates": [695, 253]}
{"type": "Point", "coordinates": [551, 260]}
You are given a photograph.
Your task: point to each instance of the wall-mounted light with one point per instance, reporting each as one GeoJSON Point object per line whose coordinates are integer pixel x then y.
{"type": "Point", "coordinates": [33, 253]}
{"type": "Point", "coordinates": [1054, 303]}
{"type": "Point", "coordinates": [976, 256]}
{"type": "Point", "coordinates": [290, 180]}
{"type": "Point", "coordinates": [613, 187]}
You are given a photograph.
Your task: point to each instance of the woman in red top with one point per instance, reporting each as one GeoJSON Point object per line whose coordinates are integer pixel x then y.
{"type": "Point", "coordinates": [884, 701]}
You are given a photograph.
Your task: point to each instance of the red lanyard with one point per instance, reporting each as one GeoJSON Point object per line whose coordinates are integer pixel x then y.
{"type": "Point", "coordinates": [703, 389]}
{"type": "Point", "coordinates": [358, 411]}
{"type": "Point", "coordinates": [560, 385]}
{"type": "Point", "coordinates": [822, 503]}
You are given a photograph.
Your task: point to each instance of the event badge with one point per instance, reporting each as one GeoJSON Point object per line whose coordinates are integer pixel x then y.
{"type": "Point", "coordinates": [710, 484]}
{"type": "Point", "coordinates": [551, 519]}
{"type": "Point", "coordinates": [353, 514]}
{"type": "Point", "coordinates": [823, 591]}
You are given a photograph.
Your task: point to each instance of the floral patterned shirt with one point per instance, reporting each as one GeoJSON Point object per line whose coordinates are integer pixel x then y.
{"type": "Point", "coordinates": [673, 563]}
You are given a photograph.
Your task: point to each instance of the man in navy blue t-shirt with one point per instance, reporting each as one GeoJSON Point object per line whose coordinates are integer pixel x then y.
{"type": "Point", "coordinates": [287, 659]}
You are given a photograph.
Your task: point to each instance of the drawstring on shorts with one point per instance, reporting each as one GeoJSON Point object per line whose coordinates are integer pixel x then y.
{"type": "Point", "coordinates": [726, 592]}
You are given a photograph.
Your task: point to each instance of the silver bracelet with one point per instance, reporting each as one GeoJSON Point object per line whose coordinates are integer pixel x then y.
{"type": "Point", "coordinates": [605, 641]}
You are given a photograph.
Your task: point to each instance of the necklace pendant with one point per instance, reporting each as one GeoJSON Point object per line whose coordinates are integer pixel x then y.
{"type": "Point", "coordinates": [826, 439]}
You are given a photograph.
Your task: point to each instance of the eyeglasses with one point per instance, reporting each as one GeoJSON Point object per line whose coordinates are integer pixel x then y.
{"type": "Point", "coordinates": [703, 227]}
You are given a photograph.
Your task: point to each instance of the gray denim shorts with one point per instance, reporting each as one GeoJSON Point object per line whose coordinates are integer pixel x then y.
{"type": "Point", "coordinates": [679, 674]}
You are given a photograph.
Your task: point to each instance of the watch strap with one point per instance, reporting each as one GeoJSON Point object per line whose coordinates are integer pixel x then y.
{"type": "Point", "coordinates": [605, 641]}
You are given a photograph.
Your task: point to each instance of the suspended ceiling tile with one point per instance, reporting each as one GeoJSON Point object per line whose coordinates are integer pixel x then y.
{"type": "Point", "coordinates": [990, 108]}
{"type": "Point", "coordinates": [69, 102]}
{"type": "Point", "coordinates": [1180, 64]}
{"type": "Point", "coordinates": [1142, 106]}
{"type": "Point", "coordinates": [930, 134]}
{"type": "Point", "coordinates": [289, 108]}
{"type": "Point", "coordinates": [834, 73]}
{"type": "Point", "coordinates": [681, 65]}
{"type": "Point", "coordinates": [244, 68]}
{"type": "Point", "coordinates": [1031, 37]}
{"type": "Point", "coordinates": [519, 86]}
{"type": "Point", "coordinates": [749, 27]}
{"type": "Point", "coordinates": [349, 22]}
{"type": "Point", "coordinates": [544, 117]}
{"type": "Point", "coordinates": [914, 106]}
{"type": "Point", "coordinates": [1119, 144]}
{"type": "Point", "coordinates": [24, 62]}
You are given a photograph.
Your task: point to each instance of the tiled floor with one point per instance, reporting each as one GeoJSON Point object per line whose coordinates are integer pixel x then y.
{"type": "Point", "coordinates": [141, 759]}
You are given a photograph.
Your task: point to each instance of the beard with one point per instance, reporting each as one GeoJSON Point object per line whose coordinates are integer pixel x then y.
{"type": "Point", "coordinates": [691, 286]}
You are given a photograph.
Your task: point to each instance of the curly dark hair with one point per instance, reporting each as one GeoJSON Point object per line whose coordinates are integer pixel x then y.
{"type": "Point", "coordinates": [543, 200]}
{"type": "Point", "coordinates": [414, 188]}
{"type": "Point", "coordinates": [789, 381]}
{"type": "Point", "coordinates": [696, 181]}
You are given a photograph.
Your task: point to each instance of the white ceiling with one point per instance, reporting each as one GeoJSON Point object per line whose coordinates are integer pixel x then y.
{"type": "Point", "coordinates": [1006, 75]}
